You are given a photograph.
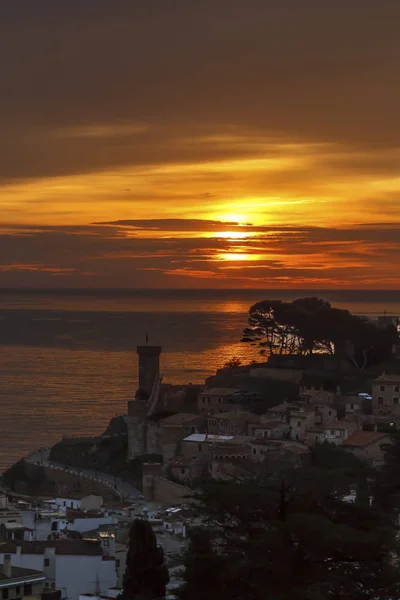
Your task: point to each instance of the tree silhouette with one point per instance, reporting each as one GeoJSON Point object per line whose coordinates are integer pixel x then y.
{"type": "Point", "coordinates": [146, 574]}
{"type": "Point", "coordinates": [232, 363]}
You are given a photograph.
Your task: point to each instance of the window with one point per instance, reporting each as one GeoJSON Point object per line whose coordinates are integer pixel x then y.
{"type": "Point", "coordinates": [332, 432]}
{"type": "Point", "coordinates": [46, 584]}
{"type": "Point", "coordinates": [183, 471]}
{"type": "Point", "coordinates": [221, 423]}
{"type": "Point", "coordinates": [219, 400]}
{"type": "Point", "coordinates": [17, 590]}
{"type": "Point", "coordinates": [330, 413]}
{"type": "Point", "coordinates": [316, 438]}
{"type": "Point", "coordinates": [199, 448]}
{"type": "Point", "coordinates": [254, 450]}
{"type": "Point", "coordinates": [117, 563]}
{"type": "Point", "coordinates": [53, 586]}
{"type": "Point", "coordinates": [382, 388]}
{"type": "Point", "coordinates": [46, 562]}
{"type": "Point", "coordinates": [5, 594]}
{"type": "Point", "coordinates": [27, 589]}
{"type": "Point", "coordinates": [380, 400]}
{"type": "Point", "coordinates": [352, 406]}
{"type": "Point", "coordinates": [298, 423]}
{"type": "Point", "coordinates": [65, 504]}
{"type": "Point", "coordinates": [395, 400]}
{"type": "Point", "coordinates": [396, 388]}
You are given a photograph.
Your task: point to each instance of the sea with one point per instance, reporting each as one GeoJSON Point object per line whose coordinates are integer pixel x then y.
{"type": "Point", "coordinates": [68, 359]}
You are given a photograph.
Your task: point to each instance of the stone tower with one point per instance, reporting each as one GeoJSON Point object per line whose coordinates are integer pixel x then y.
{"type": "Point", "coordinates": [149, 367]}
{"type": "Point", "coordinates": [144, 433]}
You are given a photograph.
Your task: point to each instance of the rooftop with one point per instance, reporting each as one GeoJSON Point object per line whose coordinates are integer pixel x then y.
{"type": "Point", "coordinates": [204, 437]}
{"type": "Point", "coordinates": [18, 573]}
{"type": "Point", "coordinates": [68, 547]}
{"type": "Point", "coordinates": [234, 414]}
{"type": "Point", "coordinates": [181, 418]}
{"type": "Point", "coordinates": [388, 378]}
{"type": "Point", "coordinates": [220, 391]}
{"type": "Point", "coordinates": [364, 438]}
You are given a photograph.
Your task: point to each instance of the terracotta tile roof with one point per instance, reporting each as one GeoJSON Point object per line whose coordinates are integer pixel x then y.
{"type": "Point", "coordinates": [71, 547]}
{"type": "Point", "coordinates": [364, 438]}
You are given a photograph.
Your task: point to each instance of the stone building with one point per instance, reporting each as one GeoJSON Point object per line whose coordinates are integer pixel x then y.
{"type": "Point", "coordinates": [233, 422]}
{"type": "Point", "coordinates": [386, 394]}
{"type": "Point", "coordinates": [368, 446]}
{"type": "Point", "coordinates": [218, 400]}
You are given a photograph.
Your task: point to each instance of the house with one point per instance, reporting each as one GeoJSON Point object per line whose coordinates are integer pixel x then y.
{"type": "Point", "coordinates": [336, 433]}
{"type": "Point", "coordinates": [281, 411]}
{"type": "Point", "coordinates": [81, 521]}
{"type": "Point", "coordinates": [200, 444]}
{"type": "Point", "coordinates": [68, 565]}
{"type": "Point", "coordinates": [184, 468]}
{"type": "Point", "coordinates": [386, 394]}
{"type": "Point", "coordinates": [176, 427]}
{"type": "Point", "coordinates": [91, 502]}
{"type": "Point", "coordinates": [368, 446]}
{"type": "Point", "coordinates": [234, 422]}
{"type": "Point", "coordinates": [293, 453]}
{"type": "Point", "coordinates": [304, 419]}
{"type": "Point", "coordinates": [353, 405]}
{"type": "Point", "coordinates": [300, 421]}
{"type": "Point", "coordinates": [18, 582]}
{"type": "Point", "coordinates": [269, 429]}
{"type": "Point", "coordinates": [216, 400]}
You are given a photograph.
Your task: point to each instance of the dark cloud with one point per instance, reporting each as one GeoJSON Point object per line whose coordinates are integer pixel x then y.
{"type": "Point", "coordinates": [309, 70]}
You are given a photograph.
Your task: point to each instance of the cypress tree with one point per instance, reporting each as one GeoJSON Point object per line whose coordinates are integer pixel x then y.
{"type": "Point", "coordinates": [146, 575]}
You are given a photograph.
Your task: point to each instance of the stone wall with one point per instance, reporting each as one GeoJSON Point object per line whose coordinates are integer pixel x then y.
{"type": "Point", "coordinates": [160, 491]}
{"type": "Point", "coordinates": [144, 437]}
{"type": "Point", "coordinates": [31, 479]}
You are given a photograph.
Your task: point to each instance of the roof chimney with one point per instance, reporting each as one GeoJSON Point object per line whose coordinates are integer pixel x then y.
{"type": "Point", "coordinates": [7, 569]}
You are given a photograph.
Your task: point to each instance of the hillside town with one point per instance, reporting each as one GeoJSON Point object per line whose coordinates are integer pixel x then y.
{"type": "Point", "coordinates": [66, 511]}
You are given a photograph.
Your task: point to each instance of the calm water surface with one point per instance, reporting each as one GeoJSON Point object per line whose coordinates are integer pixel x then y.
{"type": "Point", "coordinates": [68, 361]}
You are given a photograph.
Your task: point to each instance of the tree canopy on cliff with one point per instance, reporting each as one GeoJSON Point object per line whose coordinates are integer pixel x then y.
{"type": "Point", "coordinates": [311, 325]}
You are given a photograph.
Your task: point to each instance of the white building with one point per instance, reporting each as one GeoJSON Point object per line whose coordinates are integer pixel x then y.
{"type": "Point", "coordinates": [68, 565]}
{"type": "Point", "coordinates": [17, 582]}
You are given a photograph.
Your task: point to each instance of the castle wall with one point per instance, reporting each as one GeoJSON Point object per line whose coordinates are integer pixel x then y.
{"type": "Point", "coordinates": [58, 481]}
{"type": "Point", "coordinates": [161, 491]}
{"type": "Point", "coordinates": [144, 437]}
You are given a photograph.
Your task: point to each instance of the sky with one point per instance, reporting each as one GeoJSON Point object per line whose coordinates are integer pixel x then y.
{"type": "Point", "coordinates": [212, 144]}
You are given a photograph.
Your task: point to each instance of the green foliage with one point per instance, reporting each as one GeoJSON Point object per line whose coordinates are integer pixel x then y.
{"type": "Point", "coordinates": [146, 575]}
{"type": "Point", "coordinates": [294, 535]}
{"type": "Point", "coordinates": [311, 325]}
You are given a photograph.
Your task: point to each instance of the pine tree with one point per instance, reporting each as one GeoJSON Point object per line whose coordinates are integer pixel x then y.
{"type": "Point", "coordinates": [146, 574]}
